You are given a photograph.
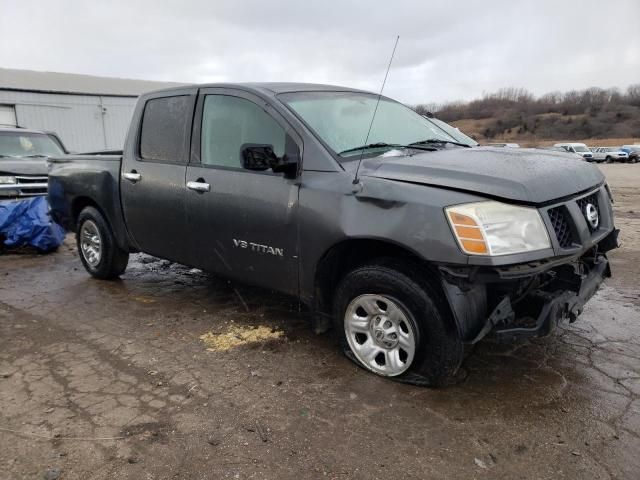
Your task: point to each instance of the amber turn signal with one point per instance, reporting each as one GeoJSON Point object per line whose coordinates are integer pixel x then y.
{"type": "Point", "coordinates": [468, 234]}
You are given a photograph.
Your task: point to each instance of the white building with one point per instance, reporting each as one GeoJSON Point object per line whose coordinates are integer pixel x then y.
{"type": "Point", "coordinates": [88, 113]}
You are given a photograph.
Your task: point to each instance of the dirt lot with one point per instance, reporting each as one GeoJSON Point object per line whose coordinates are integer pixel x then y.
{"type": "Point", "coordinates": [113, 380]}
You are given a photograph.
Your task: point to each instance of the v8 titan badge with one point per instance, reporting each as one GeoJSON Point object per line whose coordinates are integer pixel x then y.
{"type": "Point", "coordinates": [257, 247]}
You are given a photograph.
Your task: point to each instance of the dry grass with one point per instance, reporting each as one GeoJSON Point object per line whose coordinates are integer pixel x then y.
{"type": "Point", "coordinates": [476, 127]}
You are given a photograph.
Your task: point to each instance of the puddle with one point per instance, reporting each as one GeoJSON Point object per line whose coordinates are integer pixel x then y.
{"type": "Point", "coordinates": [239, 336]}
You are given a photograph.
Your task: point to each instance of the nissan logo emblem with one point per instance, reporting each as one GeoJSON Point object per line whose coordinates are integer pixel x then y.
{"type": "Point", "coordinates": [591, 214]}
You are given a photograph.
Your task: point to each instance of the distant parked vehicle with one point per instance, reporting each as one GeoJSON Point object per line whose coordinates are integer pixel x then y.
{"type": "Point", "coordinates": [610, 154]}
{"type": "Point", "coordinates": [579, 148]}
{"type": "Point", "coordinates": [633, 151]}
{"type": "Point", "coordinates": [562, 150]}
{"type": "Point", "coordinates": [507, 145]}
{"type": "Point", "coordinates": [23, 161]}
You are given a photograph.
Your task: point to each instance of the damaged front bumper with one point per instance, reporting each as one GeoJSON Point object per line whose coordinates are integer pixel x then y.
{"type": "Point", "coordinates": [526, 300]}
{"type": "Point", "coordinates": [555, 306]}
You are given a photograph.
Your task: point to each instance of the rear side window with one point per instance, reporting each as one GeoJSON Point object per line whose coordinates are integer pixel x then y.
{"type": "Point", "coordinates": [164, 130]}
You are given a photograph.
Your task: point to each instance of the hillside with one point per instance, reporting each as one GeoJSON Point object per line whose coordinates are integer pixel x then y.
{"type": "Point", "coordinates": [594, 116]}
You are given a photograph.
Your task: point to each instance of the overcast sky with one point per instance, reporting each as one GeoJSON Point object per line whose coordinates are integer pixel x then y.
{"type": "Point", "coordinates": [448, 50]}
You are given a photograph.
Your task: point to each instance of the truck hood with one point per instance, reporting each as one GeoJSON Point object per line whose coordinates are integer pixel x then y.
{"type": "Point", "coordinates": [522, 175]}
{"type": "Point", "coordinates": [23, 166]}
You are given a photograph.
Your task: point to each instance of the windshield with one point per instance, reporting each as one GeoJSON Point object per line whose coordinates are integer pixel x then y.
{"type": "Point", "coordinates": [25, 144]}
{"type": "Point", "coordinates": [581, 149]}
{"type": "Point", "coordinates": [342, 119]}
{"type": "Point", "coordinates": [454, 132]}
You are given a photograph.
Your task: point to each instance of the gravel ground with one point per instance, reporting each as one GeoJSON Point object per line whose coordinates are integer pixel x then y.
{"type": "Point", "coordinates": [128, 380]}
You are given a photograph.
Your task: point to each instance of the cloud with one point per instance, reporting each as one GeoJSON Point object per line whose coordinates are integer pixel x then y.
{"type": "Point", "coordinates": [447, 50]}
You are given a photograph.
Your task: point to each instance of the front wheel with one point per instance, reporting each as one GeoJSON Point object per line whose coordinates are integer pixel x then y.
{"type": "Point", "coordinates": [392, 323]}
{"type": "Point", "coordinates": [97, 247]}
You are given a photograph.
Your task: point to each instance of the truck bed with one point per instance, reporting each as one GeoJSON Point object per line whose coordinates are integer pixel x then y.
{"type": "Point", "coordinates": [77, 181]}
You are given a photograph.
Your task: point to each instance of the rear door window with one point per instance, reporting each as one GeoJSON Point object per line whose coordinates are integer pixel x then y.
{"type": "Point", "coordinates": [164, 133]}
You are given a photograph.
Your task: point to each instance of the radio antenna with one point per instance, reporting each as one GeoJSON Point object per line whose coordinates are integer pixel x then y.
{"type": "Point", "coordinates": [373, 117]}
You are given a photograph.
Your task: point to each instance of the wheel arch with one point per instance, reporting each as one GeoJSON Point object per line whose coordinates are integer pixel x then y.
{"type": "Point", "coordinates": [81, 202]}
{"type": "Point", "coordinates": [344, 256]}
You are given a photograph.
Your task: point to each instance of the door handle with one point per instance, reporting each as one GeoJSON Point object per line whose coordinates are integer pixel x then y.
{"type": "Point", "coordinates": [133, 176]}
{"type": "Point", "coordinates": [199, 186]}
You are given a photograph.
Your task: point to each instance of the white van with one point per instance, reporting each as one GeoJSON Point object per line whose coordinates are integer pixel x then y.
{"type": "Point", "coordinates": [579, 148]}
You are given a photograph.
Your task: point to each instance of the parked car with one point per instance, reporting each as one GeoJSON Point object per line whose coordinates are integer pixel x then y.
{"type": "Point", "coordinates": [562, 151]}
{"type": "Point", "coordinates": [579, 148]}
{"type": "Point", "coordinates": [610, 154]}
{"type": "Point", "coordinates": [412, 243]}
{"type": "Point", "coordinates": [23, 161]}
{"type": "Point", "coordinates": [633, 152]}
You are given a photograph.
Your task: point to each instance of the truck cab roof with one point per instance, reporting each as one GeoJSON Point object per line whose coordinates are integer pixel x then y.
{"type": "Point", "coordinates": [269, 89]}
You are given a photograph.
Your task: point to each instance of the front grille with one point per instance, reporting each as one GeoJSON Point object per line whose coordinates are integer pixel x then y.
{"type": "Point", "coordinates": [28, 180]}
{"type": "Point", "coordinates": [571, 224]}
{"type": "Point", "coordinates": [589, 199]}
{"type": "Point", "coordinates": [560, 222]}
{"type": "Point", "coordinates": [29, 186]}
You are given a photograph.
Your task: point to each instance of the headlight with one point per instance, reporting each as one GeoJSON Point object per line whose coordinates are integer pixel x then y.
{"type": "Point", "coordinates": [494, 228]}
{"type": "Point", "coordinates": [4, 179]}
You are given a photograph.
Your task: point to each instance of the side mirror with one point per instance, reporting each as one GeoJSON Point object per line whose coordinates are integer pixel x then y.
{"type": "Point", "coordinates": [261, 157]}
{"type": "Point", "coordinates": [257, 156]}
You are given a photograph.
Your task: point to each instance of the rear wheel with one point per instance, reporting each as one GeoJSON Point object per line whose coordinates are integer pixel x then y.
{"type": "Point", "coordinates": [392, 323]}
{"type": "Point", "coordinates": [98, 250]}
{"type": "Point", "coordinates": [608, 160]}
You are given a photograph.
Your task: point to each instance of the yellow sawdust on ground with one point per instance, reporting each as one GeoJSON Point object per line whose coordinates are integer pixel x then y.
{"type": "Point", "coordinates": [144, 299]}
{"type": "Point", "coordinates": [238, 336]}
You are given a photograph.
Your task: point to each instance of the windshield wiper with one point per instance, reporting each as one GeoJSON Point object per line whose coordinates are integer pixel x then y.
{"type": "Point", "coordinates": [37, 155]}
{"type": "Point", "coordinates": [431, 141]}
{"type": "Point", "coordinates": [369, 146]}
{"type": "Point", "coordinates": [383, 144]}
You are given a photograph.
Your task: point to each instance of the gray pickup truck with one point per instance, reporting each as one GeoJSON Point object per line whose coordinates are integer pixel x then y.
{"type": "Point", "coordinates": [413, 245]}
{"type": "Point", "coordinates": [23, 161]}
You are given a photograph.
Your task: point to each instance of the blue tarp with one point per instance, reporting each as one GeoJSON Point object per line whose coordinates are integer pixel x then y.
{"type": "Point", "coordinates": [27, 222]}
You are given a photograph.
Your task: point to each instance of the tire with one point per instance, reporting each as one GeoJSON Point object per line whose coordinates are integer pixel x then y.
{"type": "Point", "coordinates": [608, 160]}
{"type": "Point", "coordinates": [633, 159]}
{"type": "Point", "coordinates": [424, 321]}
{"type": "Point", "coordinates": [97, 247]}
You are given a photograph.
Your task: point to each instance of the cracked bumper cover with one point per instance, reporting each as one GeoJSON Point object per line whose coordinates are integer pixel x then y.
{"type": "Point", "coordinates": [524, 300]}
